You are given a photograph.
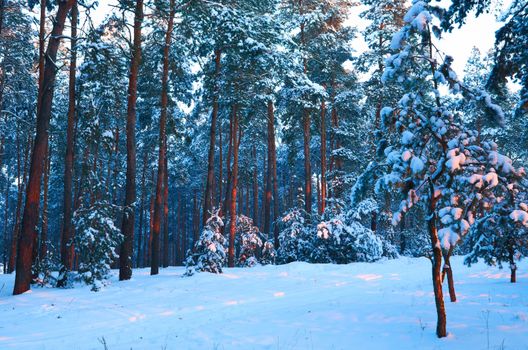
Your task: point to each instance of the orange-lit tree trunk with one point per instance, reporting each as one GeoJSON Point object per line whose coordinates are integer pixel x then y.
{"type": "Point", "coordinates": [139, 258]}
{"type": "Point", "coordinates": [306, 136]}
{"type": "Point", "coordinates": [166, 213]}
{"type": "Point", "coordinates": [229, 171]}
{"type": "Point", "coordinates": [448, 271]}
{"type": "Point", "coordinates": [31, 208]}
{"type": "Point", "coordinates": [67, 247]}
{"type": "Point", "coordinates": [436, 265]}
{"type": "Point", "coordinates": [160, 181]}
{"type": "Point", "coordinates": [127, 225]}
{"type": "Point", "coordinates": [232, 210]}
{"type": "Point", "coordinates": [208, 198]}
{"type": "Point", "coordinates": [43, 249]}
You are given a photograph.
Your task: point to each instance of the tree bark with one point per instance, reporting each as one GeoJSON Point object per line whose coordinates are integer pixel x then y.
{"type": "Point", "coordinates": [158, 206]}
{"type": "Point", "coordinates": [229, 171]}
{"type": "Point", "coordinates": [127, 225]}
{"type": "Point", "coordinates": [436, 266]}
{"type": "Point", "coordinates": [323, 157]}
{"type": "Point", "coordinates": [448, 271]}
{"type": "Point", "coordinates": [67, 246]}
{"type": "Point", "coordinates": [255, 189]}
{"type": "Point", "coordinates": [233, 214]}
{"type": "Point", "coordinates": [208, 198]}
{"type": "Point", "coordinates": [139, 260]}
{"type": "Point", "coordinates": [513, 266]}
{"type": "Point", "coordinates": [166, 213]}
{"type": "Point", "coordinates": [43, 249]}
{"type": "Point", "coordinates": [31, 208]}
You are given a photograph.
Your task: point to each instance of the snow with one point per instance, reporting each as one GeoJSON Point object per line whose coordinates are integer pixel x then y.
{"type": "Point", "coordinates": [294, 306]}
{"type": "Point", "coordinates": [520, 216]}
{"type": "Point", "coordinates": [417, 165]}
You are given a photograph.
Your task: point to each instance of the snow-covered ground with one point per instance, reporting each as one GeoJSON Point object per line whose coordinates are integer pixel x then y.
{"type": "Point", "coordinates": [385, 305]}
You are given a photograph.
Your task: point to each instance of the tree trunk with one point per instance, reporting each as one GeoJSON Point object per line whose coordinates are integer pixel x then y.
{"type": "Point", "coordinates": [16, 226]}
{"type": "Point", "coordinates": [166, 213]}
{"type": "Point", "coordinates": [232, 228]}
{"type": "Point", "coordinates": [139, 260]}
{"type": "Point", "coordinates": [43, 249]}
{"type": "Point", "coordinates": [221, 165]}
{"type": "Point", "coordinates": [67, 246]}
{"type": "Point", "coordinates": [127, 225]}
{"type": "Point", "coordinates": [307, 163]}
{"type": "Point", "coordinates": [158, 207]}
{"type": "Point", "coordinates": [272, 169]}
{"type": "Point", "coordinates": [513, 266]}
{"type": "Point", "coordinates": [255, 189]}
{"type": "Point", "coordinates": [208, 198]}
{"type": "Point", "coordinates": [6, 217]}
{"type": "Point", "coordinates": [323, 157]}
{"type": "Point", "coordinates": [448, 271]}
{"type": "Point", "coordinates": [42, 45]}
{"type": "Point", "coordinates": [437, 265]}
{"type": "Point", "coordinates": [31, 208]}
{"type": "Point", "coordinates": [196, 216]}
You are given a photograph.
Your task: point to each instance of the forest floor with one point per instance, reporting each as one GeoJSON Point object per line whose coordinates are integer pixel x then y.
{"type": "Point", "coordinates": [384, 305]}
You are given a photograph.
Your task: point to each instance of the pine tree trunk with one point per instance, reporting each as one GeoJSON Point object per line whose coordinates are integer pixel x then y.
{"type": "Point", "coordinates": [127, 226]}
{"type": "Point", "coordinates": [323, 157]}
{"type": "Point", "coordinates": [208, 198]}
{"type": "Point", "coordinates": [307, 163]}
{"type": "Point", "coordinates": [151, 228]}
{"type": "Point", "coordinates": [42, 47]}
{"type": "Point", "coordinates": [22, 183]}
{"type": "Point", "coordinates": [196, 215]}
{"type": "Point", "coordinates": [437, 266]}
{"type": "Point", "coordinates": [221, 165]}
{"type": "Point", "coordinates": [255, 188]}
{"type": "Point", "coordinates": [306, 135]}
{"type": "Point", "coordinates": [267, 190]}
{"type": "Point", "coordinates": [158, 207]}
{"type": "Point", "coordinates": [448, 271]}
{"type": "Point", "coordinates": [184, 228]}
{"type": "Point", "coordinates": [43, 249]}
{"type": "Point", "coordinates": [116, 165]}
{"type": "Point", "coordinates": [513, 266]}
{"type": "Point", "coordinates": [67, 246]}
{"type": "Point", "coordinates": [166, 213]}
{"type": "Point", "coordinates": [16, 227]}
{"type": "Point", "coordinates": [6, 217]}
{"type": "Point", "coordinates": [232, 211]}
{"type": "Point", "coordinates": [225, 207]}
{"type": "Point", "coordinates": [272, 164]}
{"type": "Point", "coordinates": [31, 208]}
{"type": "Point", "coordinates": [139, 261]}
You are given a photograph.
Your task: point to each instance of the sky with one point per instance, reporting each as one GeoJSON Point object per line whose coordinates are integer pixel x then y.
{"type": "Point", "coordinates": [477, 32]}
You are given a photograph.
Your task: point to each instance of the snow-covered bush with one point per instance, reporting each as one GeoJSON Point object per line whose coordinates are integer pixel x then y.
{"type": "Point", "coordinates": [209, 252]}
{"type": "Point", "coordinates": [249, 241]}
{"type": "Point", "coordinates": [501, 237]}
{"type": "Point", "coordinates": [45, 269]}
{"type": "Point", "coordinates": [96, 240]}
{"type": "Point", "coordinates": [268, 253]}
{"type": "Point", "coordinates": [296, 238]}
{"type": "Point", "coordinates": [341, 238]}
